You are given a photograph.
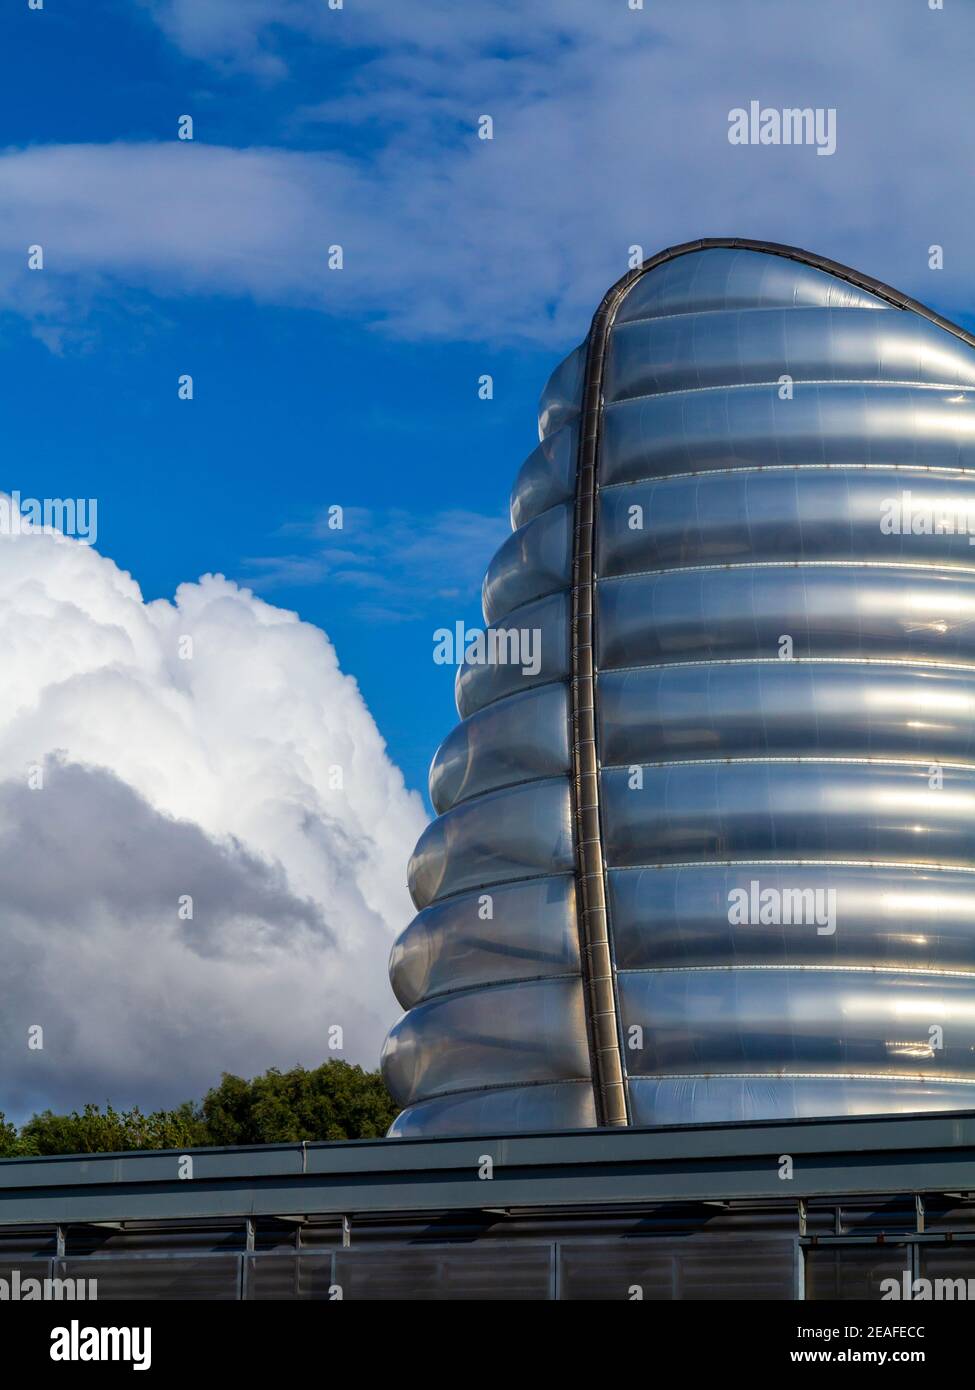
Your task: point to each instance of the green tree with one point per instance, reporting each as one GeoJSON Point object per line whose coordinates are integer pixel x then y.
{"type": "Point", "coordinates": [8, 1137]}
{"type": "Point", "coordinates": [333, 1101]}
{"type": "Point", "coordinates": [111, 1131]}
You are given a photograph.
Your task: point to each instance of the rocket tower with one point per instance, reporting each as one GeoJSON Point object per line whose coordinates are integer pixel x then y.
{"type": "Point", "coordinates": [713, 858]}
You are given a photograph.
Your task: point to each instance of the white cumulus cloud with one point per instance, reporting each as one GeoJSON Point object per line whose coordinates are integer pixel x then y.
{"type": "Point", "coordinates": [214, 777]}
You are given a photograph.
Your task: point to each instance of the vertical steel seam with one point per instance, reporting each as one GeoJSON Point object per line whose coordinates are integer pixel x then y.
{"type": "Point", "coordinates": [595, 943]}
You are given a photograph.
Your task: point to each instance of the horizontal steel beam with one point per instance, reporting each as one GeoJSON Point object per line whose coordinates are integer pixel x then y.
{"type": "Point", "coordinates": [830, 1158]}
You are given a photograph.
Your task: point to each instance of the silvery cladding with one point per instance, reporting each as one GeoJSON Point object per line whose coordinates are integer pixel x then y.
{"type": "Point", "coordinates": [783, 598]}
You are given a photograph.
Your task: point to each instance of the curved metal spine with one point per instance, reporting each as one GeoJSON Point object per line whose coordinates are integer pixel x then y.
{"type": "Point", "coordinates": [596, 951]}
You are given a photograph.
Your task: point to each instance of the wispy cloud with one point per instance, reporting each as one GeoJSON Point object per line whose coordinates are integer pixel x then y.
{"type": "Point", "coordinates": [395, 564]}
{"type": "Point", "coordinates": [610, 130]}
{"type": "Point", "coordinates": [252, 35]}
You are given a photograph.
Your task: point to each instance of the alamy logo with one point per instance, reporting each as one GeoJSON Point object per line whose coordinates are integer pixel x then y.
{"type": "Point", "coordinates": [793, 125]}
{"type": "Point", "coordinates": [907, 516]}
{"type": "Point", "coordinates": [756, 906]}
{"type": "Point", "coordinates": [913, 1290]}
{"type": "Point", "coordinates": [72, 516]}
{"type": "Point", "coordinates": [77, 1343]}
{"type": "Point", "coordinates": [17, 1289]}
{"type": "Point", "coordinates": [497, 646]}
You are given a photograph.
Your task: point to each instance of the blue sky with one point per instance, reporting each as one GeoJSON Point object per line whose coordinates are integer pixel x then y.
{"type": "Point", "coordinates": [292, 411]}
{"type": "Point", "coordinates": [462, 257]}
{"type": "Point", "coordinates": [285, 422]}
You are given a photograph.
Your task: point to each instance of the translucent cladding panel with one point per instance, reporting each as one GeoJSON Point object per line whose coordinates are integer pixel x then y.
{"type": "Point", "coordinates": [750, 426]}
{"type": "Point", "coordinates": [833, 709]}
{"type": "Point", "coordinates": [210, 1277]}
{"type": "Point", "coordinates": [534, 561]}
{"type": "Point", "coordinates": [949, 1267]}
{"type": "Point", "coordinates": [289, 1277]}
{"type": "Point", "coordinates": [547, 476]}
{"type": "Point", "coordinates": [504, 1035]}
{"type": "Point", "coordinates": [496, 1272]}
{"type": "Point", "coordinates": [892, 612]}
{"type": "Point", "coordinates": [516, 739]}
{"type": "Point", "coordinates": [561, 399]}
{"type": "Point", "coordinates": [881, 916]}
{"type": "Point", "coordinates": [728, 278]}
{"type": "Point", "coordinates": [703, 350]}
{"type": "Point", "coordinates": [521, 832]}
{"type": "Point", "coordinates": [875, 1022]}
{"type": "Point", "coordinates": [540, 631]}
{"type": "Point", "coordinates": [710, 1267]}
{"type": "Point", "coordinates": [849, 1273]}
{"type": "Point", "coordinates": [518, 931]}
{"type": "Point", "coordinates": [787, 514]}
{"type": "Point", "coordinates": [789, 809]}
{"type": "Point", "coordinates": [511, 1110]}
{"type": "Point", "coordinates": [701, 1099]}
{"type": "Point", "coordinates": [20, 1271]}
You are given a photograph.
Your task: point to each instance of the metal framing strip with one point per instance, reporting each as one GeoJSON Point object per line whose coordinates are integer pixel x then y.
{"type": "Point", "coordinates": [595, 945]}
{"type": "Point", "coordinates": [581, 1169]}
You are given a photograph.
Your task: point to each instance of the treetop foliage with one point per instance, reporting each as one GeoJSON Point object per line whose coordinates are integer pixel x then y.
{"type": "Point", "coordinates": [334, 1101]}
